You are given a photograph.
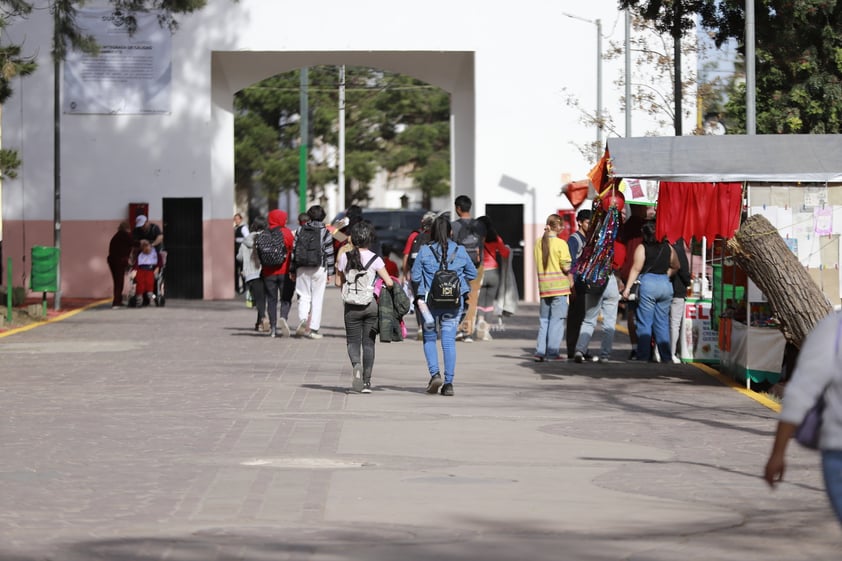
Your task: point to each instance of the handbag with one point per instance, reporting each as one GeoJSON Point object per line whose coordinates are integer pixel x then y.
{"type": "Point", "coordinates": [634, 289]}
{"type": "Point", "coordinates": [807, 433]}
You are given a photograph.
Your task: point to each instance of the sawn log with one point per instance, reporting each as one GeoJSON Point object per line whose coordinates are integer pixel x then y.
{"type": "Point", "coordinates": [797, 301]}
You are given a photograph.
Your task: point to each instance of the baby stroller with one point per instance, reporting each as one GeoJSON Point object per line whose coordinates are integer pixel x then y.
{"type": "Point", "coordinates": [156, 296]}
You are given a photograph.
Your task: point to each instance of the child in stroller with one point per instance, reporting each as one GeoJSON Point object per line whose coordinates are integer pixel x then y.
{"type": "Point", "coordinates": [147, 277]}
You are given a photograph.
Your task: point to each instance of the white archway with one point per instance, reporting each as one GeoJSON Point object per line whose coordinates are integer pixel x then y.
{"type": "Point", "coordinates": [451, 71]}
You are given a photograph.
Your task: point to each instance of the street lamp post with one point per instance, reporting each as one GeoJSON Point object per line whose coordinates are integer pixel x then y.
{"type": "Point", "coordinates": [599, 122]}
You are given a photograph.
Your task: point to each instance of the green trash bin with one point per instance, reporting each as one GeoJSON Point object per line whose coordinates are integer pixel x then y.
{"type": "Point", "coordinates": [44, 276]}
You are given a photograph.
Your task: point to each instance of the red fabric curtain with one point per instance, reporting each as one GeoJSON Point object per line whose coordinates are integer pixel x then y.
{"type": "Point", "coordinates": [687, 210]}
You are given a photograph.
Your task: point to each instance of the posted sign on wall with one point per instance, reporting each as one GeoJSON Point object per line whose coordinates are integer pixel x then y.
{"type": "Point", "coordinates": [130, 75]}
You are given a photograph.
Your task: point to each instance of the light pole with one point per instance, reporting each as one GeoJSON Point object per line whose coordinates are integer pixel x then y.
{"type": "Point", "coordinates": [599, 123]}
{"type": "Point", "coordinates": [751, 92]}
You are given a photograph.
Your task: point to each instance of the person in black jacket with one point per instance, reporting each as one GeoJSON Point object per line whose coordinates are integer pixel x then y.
{"type": "Point", "coordinates": [680, 281]}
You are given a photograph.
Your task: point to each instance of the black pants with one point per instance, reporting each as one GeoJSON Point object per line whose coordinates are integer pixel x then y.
{"type": "Point", "coordinates": [360, 335]}
{"type": "Point", "coordinates": [239, 283]}
{"type": "Point", "coordinates": [286, 296]}
{"type": "Point", "coordinates": [118, 275]}
{"type": "Point", "coordinates": [274, 287]}
{"type": "Point", "coordinates": [258, 295]}
{"type": "Point", "coordinates": [575, 317]}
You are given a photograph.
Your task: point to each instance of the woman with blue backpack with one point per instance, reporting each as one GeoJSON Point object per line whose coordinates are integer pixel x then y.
{"type": "Point", "coordinates": [443, 271]}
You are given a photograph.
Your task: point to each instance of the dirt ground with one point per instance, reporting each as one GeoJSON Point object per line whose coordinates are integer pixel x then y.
{"type": "Point", "coordinates": [32, 312]}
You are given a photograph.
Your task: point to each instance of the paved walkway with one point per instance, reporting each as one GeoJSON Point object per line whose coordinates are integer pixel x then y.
{"type": "Point", "coordinates": [180, 434]}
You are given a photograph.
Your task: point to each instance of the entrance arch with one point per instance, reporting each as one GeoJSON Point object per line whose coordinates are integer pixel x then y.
{"type": "Point", "coordinates": [232, 71]}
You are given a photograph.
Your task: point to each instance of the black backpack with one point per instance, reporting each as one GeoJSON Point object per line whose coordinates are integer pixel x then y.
{"type": "Point", "coordinates": [308, 246]}
{"type": "Point", "coordinates": [446, 288]}
{"type": "Point", "coordinates": [469, 238]}
{"type": "Point", "coordinates": [271, 249]}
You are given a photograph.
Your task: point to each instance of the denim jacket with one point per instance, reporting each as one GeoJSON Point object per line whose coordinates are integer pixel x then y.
{"type": "Point", "coordinates": [428, 260]}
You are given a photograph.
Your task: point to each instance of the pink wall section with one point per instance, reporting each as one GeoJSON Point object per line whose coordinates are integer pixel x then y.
{"type": "Point", "coordinates": [218, 259]}
{"type": "Point", "coordinates": [84, 269]}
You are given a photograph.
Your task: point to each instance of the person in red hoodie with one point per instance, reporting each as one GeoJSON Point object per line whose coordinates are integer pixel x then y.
{"type": "Point", "coordinates": [274, 276]}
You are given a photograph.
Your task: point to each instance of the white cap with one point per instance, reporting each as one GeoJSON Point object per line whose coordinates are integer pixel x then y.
{"type": "Point", "coordinates": [140, 220]}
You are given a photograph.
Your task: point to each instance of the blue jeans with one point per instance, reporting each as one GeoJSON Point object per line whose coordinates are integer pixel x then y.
{"type": "Point", "coordinates": [448, 321]}
{"type": "Point", "coordinates": [551, 317]}
{"type": "Point", "coordinates": [832, 468]}
{"type": "Point", "coordinates": [653, 315]}
{"type": "Point", "coordinates": [608, 302]}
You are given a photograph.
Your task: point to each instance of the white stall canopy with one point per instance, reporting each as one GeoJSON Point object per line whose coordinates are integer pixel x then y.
{"type": "Point", "coordinates": [788, 158]}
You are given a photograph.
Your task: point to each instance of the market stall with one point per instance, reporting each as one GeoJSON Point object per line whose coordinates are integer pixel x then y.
{"type": "Point", "coordinates": [793, 180]}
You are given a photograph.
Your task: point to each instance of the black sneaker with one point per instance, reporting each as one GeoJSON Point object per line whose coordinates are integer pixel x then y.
{"type": "Point", "coordinates": [434, 384]}
{"type": "Point", "coordinates": [366, 388]}
{"type": "Point", "coordinates": [447, 389]}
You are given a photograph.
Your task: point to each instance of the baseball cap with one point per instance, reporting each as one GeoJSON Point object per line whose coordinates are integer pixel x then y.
{"type": "Point", "coordinates": [140, 220]}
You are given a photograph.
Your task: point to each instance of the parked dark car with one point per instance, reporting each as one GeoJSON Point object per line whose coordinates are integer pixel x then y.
{"type": "Point", "coordinates": [393, 226]}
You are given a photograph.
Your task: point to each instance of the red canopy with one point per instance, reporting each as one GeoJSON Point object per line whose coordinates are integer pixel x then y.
{"type": "Point", "coordinates": [687, 210]}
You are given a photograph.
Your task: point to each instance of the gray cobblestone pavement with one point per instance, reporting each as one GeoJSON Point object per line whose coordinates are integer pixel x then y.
{"type": "Point", "coordinates": [179, 433]}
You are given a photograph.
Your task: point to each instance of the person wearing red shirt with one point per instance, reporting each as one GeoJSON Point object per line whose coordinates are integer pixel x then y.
{"type": "Point", "coordinates": [274, 276]}
{"type": "Point", "coordinates": [495, 253]}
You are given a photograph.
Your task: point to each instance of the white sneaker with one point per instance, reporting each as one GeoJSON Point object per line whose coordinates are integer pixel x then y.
{"type": "Point", "coordinates": [313, 335]}
{"type": "Point", "coordinates": [302, 328]}
{"type": "Point", "coordinates": [283, 327]}
{"type": "Point", "coordinates": [483, 331]}
{"type": "Point", "coordinates": [676, 360]}
{"type": "Point", "coordinates": [357, 382]}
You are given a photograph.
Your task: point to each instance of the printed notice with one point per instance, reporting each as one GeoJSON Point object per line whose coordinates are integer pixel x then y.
{"type": "Point", "coordinates": [131, 73]}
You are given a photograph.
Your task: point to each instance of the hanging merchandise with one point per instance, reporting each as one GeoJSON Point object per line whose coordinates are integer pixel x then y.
{"type": "Point", "coordinates": [595, 264]}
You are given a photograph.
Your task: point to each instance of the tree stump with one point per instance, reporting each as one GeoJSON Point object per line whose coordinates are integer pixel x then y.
{"type": "Point", "coordinates": [798, 302]}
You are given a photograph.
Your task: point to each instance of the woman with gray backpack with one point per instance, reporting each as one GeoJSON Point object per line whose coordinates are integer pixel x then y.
{"type": "Point", "coordinates": [356, 272]}
{"type": "Point", "coordinates": [443, 272]}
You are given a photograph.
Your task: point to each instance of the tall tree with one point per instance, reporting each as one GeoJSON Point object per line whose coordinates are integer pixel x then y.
{"type": "Point", "coordinates": [798, 48]}
{"type": "Point", "coordinates": [393, 123]}
{"type": "Point", "coordinates": [416, 132]}
{"type": "Point", "coordinates": [676, 18]}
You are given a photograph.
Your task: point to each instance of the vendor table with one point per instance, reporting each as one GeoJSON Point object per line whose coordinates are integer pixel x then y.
{"type": "Point", "coordinates": [754, 354]}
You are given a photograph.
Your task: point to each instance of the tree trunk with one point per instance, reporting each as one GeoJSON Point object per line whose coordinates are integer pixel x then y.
{"type": "Point", "coordinates": [797, 301]}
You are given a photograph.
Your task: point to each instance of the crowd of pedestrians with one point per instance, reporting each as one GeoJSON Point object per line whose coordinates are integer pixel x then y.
{"type": "Point", "coordinates": [276, 264]}
{"type": "Point", "coordinates": [570, 307]}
